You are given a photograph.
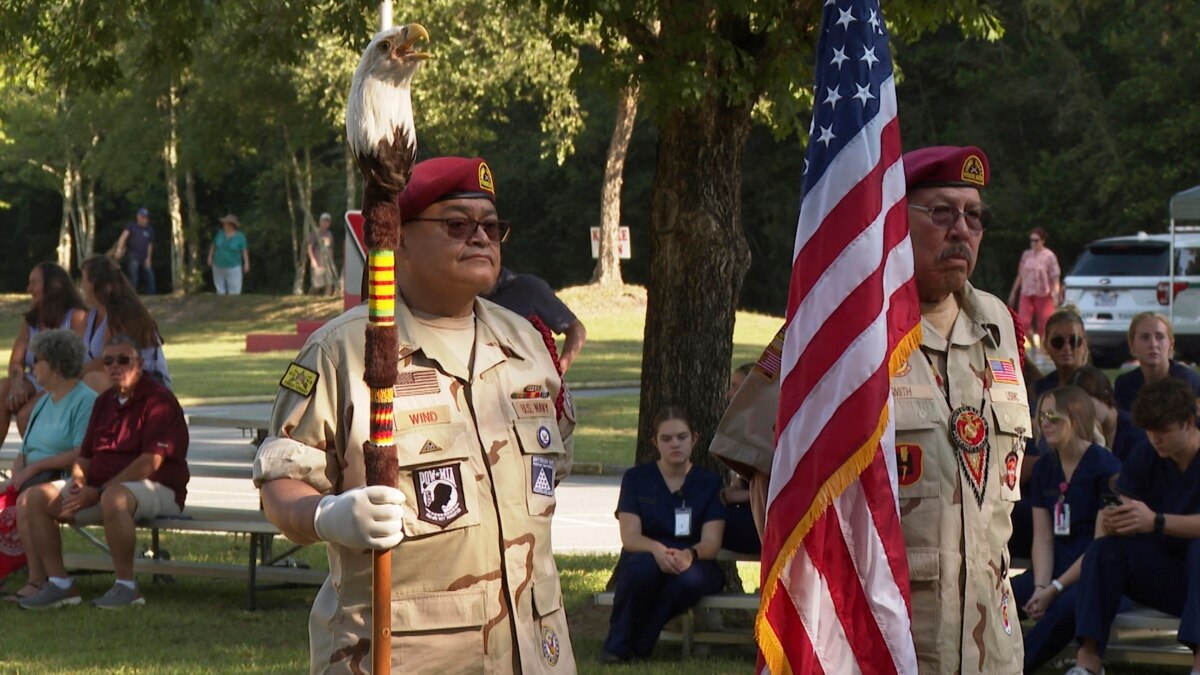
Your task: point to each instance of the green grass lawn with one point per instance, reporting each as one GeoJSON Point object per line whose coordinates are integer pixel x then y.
{"type": "Point", "coordinates": [201, 626]}
{"type": "Point", "coordinates": [205, 337]}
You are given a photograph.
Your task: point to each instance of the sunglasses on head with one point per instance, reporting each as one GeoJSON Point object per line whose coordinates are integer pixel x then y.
{"type": "Point", "coordinates": [123, 360]}
{"type": "Point", "coordinates": [1059, 340]}
{"type": "Point", "coordinates": [1050, 417]}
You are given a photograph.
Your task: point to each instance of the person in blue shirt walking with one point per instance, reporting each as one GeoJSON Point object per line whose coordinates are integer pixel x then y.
{"type": "Point", "coordinates": [1152, 343]}
{"type": "Point", "coordinates": [672, 520]}
{"type": "Point", "coordinates": [136, 247]}
{"type": "Point", "coordinates": [1065, 489]}
{"type": "Point", "coordinates": [229, 257]}
{"type": "Point", "coordinates": [1148, 546]}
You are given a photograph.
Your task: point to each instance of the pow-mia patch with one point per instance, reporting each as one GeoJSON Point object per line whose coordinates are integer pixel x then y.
{"type": "Point", "coordinates": [910, 463]}
{"type": "Point", "coordinates": [541, 475]}
{"type": "Point", "coordinates": [972, 171]}
{"type": "Point", "coordinates": [550, 646]}
{"type": "Point", "coordinates": [485, 178]}
{"type": "Point", "coordinates": [299, 379]}
{"type": "Point", "coordinates": [440, 494]}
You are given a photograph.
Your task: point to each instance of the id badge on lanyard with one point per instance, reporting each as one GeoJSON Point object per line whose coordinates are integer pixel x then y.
{"type": "Point", "coordinates": [1062, 513]}
{"type": "Point", "coordinates": [683, 521]}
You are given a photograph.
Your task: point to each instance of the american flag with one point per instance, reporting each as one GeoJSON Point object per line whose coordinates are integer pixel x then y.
{"type": "Point", "coordinates": [835, 595]}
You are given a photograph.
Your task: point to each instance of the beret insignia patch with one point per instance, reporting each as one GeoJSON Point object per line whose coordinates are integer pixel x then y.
{"type": "Point", "coordinates": [972, 170]}
{"type": "Point", "coordinates": [299, 379]}
{"type": "Point", "coordinates": [485, 178]}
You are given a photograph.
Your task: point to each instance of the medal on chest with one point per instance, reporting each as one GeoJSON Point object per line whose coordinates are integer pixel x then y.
{"type": "Point", "coordinates": [969, 432]}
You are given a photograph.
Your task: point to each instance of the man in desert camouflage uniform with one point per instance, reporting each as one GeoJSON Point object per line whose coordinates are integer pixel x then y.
{"type": "Point", "coordinates": [961, 420]}
{"type": "Point", "coordinates": [483, 435]}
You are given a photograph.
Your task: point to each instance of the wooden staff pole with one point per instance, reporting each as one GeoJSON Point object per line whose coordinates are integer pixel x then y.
{"type": "Point", "coordinates": [379, 454]}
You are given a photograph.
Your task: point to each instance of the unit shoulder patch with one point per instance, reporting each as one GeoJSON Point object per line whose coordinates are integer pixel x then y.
{"type": "Point", "coordinates": [299, 379]}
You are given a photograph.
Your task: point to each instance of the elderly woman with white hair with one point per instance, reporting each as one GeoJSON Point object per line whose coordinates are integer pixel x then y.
{"type": "Point", "coordinates": [56, 427]}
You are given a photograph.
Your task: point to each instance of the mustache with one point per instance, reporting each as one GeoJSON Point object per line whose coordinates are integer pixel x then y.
{"type": "Point", "coordinates": [956, 249]}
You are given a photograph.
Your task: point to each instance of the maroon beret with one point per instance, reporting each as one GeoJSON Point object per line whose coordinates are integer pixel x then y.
{"type": "Point", "coordinates": [442, 178]}
{"type": "Point", "coordinates": [946, 166]}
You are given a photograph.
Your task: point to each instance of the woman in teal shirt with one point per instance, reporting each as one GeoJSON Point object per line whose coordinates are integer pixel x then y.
{"type": "Point", "coordinates": [56, 428]}
{"type": "Point", "coordinates": [228, 257]}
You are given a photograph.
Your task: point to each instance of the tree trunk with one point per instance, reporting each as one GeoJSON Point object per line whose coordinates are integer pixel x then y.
{"type": "Point", "coordinates": [171, 175]}
{"type": "Point", "coordinates": [308, 225]}
{"type": "Point", "coordinates": [63, 250]}
{"type": "Point", "coordinates": [193, 227]}
{"type": "Point", "coordinates": [608, 265]}
{"type": "Point", "coordinates": [698, 257]}
{"type": "Point", "coordinates": [86, 241]}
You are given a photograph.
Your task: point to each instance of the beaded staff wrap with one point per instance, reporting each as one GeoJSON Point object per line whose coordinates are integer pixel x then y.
{"type": "Point", "coordinates": [382, 233]}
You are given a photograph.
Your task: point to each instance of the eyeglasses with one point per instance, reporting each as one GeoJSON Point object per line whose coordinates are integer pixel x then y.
{"type": "Point", "coordinates": [946, 216]}
{"type": "Point", "coordinates": [1050, 418]}
{"type": "Point", "coordinates": [1076, 341]}
{"type": "Point", "coordinates": [464, 228]}
{"type": "Point", "coordinates": [122, 360]}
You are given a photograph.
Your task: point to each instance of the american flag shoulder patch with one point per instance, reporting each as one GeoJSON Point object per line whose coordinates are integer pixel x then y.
{"type": "Point", "coordinates": [1004, 371]}
{"type": "Point", "coordinates": [416, 383]}
{"type": "Point", "coordinates": [769, 363]}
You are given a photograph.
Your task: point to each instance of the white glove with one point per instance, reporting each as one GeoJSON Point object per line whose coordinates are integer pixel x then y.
{"type": "Point", "coordinates": [370, 517]}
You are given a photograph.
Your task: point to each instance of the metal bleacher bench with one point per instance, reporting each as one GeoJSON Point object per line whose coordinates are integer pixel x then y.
{"type": "Point", "coordinates": [258, 425]}
{"type": "Point", "coordinates": [687, 633]}
{"type": "Point", "coordinates": [1139, 635]}
{"type": "Point", "coordinates": [264, 569]}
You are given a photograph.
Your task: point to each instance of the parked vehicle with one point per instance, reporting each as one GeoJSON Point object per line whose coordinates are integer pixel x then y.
{"type": "Point", "coordinates": [1117, 278]}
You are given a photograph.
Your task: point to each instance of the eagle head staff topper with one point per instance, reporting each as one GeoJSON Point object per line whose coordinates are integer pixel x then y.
{"type": "Point", "coordinates": [379, 115]}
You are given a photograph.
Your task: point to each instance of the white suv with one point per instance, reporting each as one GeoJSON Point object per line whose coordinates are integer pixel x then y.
{"type": "Point", "coordinates": [1114, 279]}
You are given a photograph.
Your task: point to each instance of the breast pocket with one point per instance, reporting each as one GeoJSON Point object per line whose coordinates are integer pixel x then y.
{"type": "Point", "coordinates": [541, 452]}
{"type": "Point", "coordinates": [437, 480]}
{"type": "Point", "coordinates": [1012, 427]}
{"type": "Point", "coordinates": [917, 444]}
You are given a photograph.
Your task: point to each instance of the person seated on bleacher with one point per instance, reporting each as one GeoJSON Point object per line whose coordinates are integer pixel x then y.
{"type": "Point", "coordinates": [132, 466]}
{"type": "Point", "coordinates": [1066, 344]}
{"type": "Point", "coordinates": [55, 429]}
{"type": "Point", "coordinates": [671, 521]}
{"type": "Point", "coordinates": [1152, 343]}
{"type": "Point", "coordinates": [1065, 490]}
{"type": "Point", "coordinates": [116, 309]}
{"type": "Point", "coordinates": [1121, 435]}
{"type": "Point", "coordinates": [1148, 547]}
{"type": "Point", "coordinates": [54, 303]}
{"type": "Point", "coordinates": [741, 535]}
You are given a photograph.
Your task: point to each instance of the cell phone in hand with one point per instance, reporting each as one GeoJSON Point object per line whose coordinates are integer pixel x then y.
{"type": "Point", "coordinates": [1110, 501]}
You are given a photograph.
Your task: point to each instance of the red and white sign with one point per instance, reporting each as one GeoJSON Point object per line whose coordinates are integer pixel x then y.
{"type": "Point", "coordinates": [623, 248]}
{"type": "Point", "coordinates": [354, 259]}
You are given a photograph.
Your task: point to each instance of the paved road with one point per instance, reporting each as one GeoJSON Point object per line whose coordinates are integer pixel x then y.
{"type": "Point", "coordinates": [584, 520]}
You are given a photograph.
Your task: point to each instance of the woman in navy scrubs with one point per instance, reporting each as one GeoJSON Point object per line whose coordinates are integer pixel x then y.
{"type": "Point", "coordinates": [1066, 488]}
{"type": "Point", "coordinates": [672, 520]}
{"type": "Point", "coordinates": [1152, 343]}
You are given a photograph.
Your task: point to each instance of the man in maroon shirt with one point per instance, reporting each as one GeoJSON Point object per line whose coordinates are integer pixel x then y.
{"type": "Point", "coordinates": [132, 466]}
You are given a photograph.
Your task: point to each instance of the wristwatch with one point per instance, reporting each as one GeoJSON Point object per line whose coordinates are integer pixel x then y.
{"type": "Point", "coordinates": [1160, 521]}
{"type": "Point", "coordinates": [695, 554]}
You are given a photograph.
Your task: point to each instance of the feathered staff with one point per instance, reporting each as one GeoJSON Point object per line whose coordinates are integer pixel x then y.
{"type": "Point", "coordinates": [379, 128]}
